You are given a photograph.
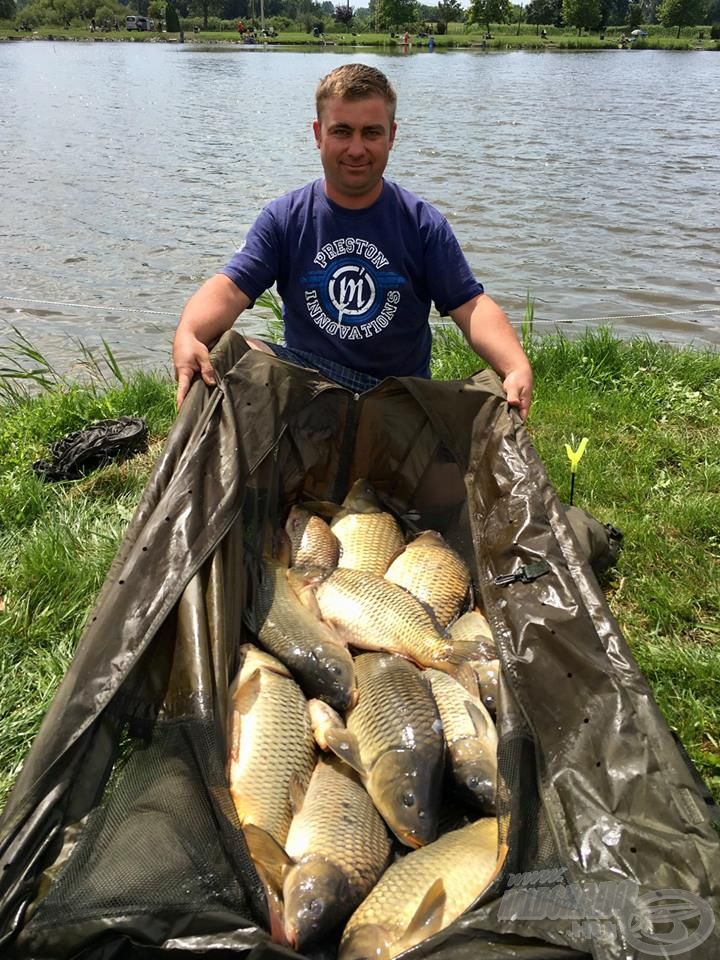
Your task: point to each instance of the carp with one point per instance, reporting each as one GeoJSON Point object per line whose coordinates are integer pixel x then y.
{"type": "Point", "coordinates": [307, 647]}
{"type": "Point", "coordinates": [268, 716]}
{"type": "Point", "coordinates": [434, 573]}
{"type": "Point", "coordinates": [339, 846]}
{"type": "Point", "coordinates": [369, 536]}
{"type": "Point", "coordinates": [394, 740]}
{"type": "Point", "coordinates": [471, 739]}
{"type": "Point", "coordinates": [423, 893]}
{"type": "Point", "coordinates": [371, 613]}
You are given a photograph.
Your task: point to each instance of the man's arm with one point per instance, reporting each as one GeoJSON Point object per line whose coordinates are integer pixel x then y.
{"type": "Point", "coordinates": [207, 315]}
{"type": "Point", "coordinates": [487, 329]}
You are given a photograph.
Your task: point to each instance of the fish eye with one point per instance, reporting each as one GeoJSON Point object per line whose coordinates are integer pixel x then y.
{"type": "Point", "coordinates": [408, 799]}
{"type": "Point", "coordinates": [316, 907]}
{"type": "Point", "coordinates": [473, 783]}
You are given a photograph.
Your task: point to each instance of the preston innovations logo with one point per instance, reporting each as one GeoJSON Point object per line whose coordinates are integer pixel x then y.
{"type": "Point", "coordinates": [350, 296]}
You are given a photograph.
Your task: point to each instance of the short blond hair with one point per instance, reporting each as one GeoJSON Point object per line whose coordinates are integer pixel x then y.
{"type": "Point", "coordinates": [355, 81]}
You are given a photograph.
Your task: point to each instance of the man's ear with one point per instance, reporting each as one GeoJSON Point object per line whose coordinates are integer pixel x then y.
{"type": "Point", "coordinates": [316, 131]}
{"type": "Point", "coordinates": [393, 131]}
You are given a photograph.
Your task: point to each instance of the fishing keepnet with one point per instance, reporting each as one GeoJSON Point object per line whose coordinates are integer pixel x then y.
{"type": "Point", "coordinates": [121, 839]}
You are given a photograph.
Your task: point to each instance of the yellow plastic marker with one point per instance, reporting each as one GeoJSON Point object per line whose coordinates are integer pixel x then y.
{"type": "Point", "coordinates": [575, 456]}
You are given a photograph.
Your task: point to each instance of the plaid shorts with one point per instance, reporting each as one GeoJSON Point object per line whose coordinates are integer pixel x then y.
{"type": "Point", "coordinates": [352, 379]}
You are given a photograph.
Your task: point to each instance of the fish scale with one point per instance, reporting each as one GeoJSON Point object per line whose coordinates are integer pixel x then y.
{"type": "Point", "coordinates": [368, 541]}
{"type": "Point", "coordinates": [374, 614]}
{"type": "Point", "coordinates": [399, 737]}
{"type": "Point", "coordinates": [267, 709]}
{"type": "Point", "coordinates": [393, 699]}
{"type": "Point", "coordinates": [338, 820]}
{"type": "Point", "coordinates": [433, 573]}
{"type": "Point", "coordinates": [465, 860]}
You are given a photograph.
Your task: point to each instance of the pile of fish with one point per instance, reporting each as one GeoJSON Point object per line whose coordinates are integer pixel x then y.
{"type": "Point", "coordinates": [358, 721]}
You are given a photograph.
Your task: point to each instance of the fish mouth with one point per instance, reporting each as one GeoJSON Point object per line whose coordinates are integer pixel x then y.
{"type": "Point", "coordinates": [410, 839]}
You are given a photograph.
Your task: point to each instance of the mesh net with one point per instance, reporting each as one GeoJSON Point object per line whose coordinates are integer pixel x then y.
{"type": "Point", "coordinates": [157, 843]}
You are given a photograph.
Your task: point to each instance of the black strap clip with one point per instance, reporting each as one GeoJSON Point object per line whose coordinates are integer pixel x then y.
{"type": "Point", "coordinates": [526, 574]}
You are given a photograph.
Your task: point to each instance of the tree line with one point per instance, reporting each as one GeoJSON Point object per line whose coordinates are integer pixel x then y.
{"type": "Point", "coordinates": [383, 15]}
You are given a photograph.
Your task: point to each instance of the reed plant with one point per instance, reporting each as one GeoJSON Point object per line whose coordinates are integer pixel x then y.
{"type": "Point", "coordinates": [652, 468]}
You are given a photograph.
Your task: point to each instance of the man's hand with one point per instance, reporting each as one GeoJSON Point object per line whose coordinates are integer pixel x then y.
{"type": "Point", "coordinates": [207, 315]}
{"type": "Point", "coordinates": [518, 386]}
{"type": "Point", "coordinates": [488, 331]}
{"type": "Point", "coordinates": [190, 357]}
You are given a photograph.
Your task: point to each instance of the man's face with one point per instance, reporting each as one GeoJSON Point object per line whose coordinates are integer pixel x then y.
{"type": "Point", "coordinates": [355, 138]}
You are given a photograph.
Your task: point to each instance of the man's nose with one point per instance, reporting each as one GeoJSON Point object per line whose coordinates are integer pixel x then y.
{"type": "Point", "coordinates": [356, 145]}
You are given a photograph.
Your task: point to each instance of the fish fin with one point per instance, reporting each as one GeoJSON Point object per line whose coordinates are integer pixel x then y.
{"type": "Point", "coordinates": [267, 854]}
{"type": "Point", "coordinates": [465, 675]}
{"type": "Point", "coordinates": [303, 581]}
{"type": "Point", "coordinates": [325, 508]}
{"type": "Point", "coordinates": [282, 547]}
{"type": "Point", "coordinates": [345, 746]}
{"type": "Point", "coordinates": [428, 917]}
{"type": "Point", "coordinates": [481, 719]}
{"type": "Point", "coordinates": [297, 791]}
{"type": "Point", "coordinates": [271, 862]}
{"type": "Point", "coordinates": [247, 693]}
{"type": "Point", "coordinates": [322, 719]}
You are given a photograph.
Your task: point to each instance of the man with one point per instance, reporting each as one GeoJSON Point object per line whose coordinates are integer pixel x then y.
{"type": "Point", "coordinates": [357, 260]}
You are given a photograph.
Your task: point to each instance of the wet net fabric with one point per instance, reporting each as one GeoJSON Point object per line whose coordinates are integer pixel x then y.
{"type": "Point", "coordinates": [164, 842]}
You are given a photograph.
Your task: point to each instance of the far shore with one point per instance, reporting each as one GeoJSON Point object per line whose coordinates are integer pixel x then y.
{"type": "Point", "coordinates": [503, 37]}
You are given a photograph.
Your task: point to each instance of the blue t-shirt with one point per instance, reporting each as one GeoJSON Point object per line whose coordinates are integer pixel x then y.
{"type": "Point", "coordinates": [356, 285]}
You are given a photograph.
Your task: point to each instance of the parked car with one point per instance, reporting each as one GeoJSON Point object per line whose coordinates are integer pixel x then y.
{"type": "Point", "coordinates": [139, 23]}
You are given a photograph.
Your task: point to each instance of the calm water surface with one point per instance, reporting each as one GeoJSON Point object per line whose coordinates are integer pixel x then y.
{"type": "Point", "coordinates": [130, 173]}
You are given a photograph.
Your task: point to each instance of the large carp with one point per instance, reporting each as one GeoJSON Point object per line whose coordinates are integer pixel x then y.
{"type": "Point", "coordinates": [434, 573]}
{"type": "Point", "coordinates": [272, 750]}
{"type": "Point", "coordinates": [339, 846]}
{"type": "Point", "coordinates": [423, 893]}
{"type": "Point", "coordinates": [471, 739]}
{"type": "Point", "coordinates": [372, 613]}
{"type": "Point", "coordinates": [307, 647]}
{"type": "Point", "coordinates": [394, 740]}
{"type": "Point", "coordinates": [369, 536]}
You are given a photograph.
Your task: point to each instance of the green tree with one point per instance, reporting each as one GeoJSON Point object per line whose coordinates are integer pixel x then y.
{"type": "Point", "coordinates": [206, 8]}
{"type": "Point", "coordinates": [681, 13]}
{"type": "Point", "coordinates": [396, 13]}
{"type": "Point", "coordinates": [634, 16]}
{"type": "Point", "coordinates": [172, 20]}
{"type": "Point", "coordinates": [489, 11]}
{"type": "Point", "coordinates": [544, 11]}
{"type": "Point", "coordinates": [581, 13]}
{"type": "Point", "coordinates": [450, 11]}
{"type": "Point", "coordinates": [344, 15]}
{"type": "Point", "coordinates": [7, 9]}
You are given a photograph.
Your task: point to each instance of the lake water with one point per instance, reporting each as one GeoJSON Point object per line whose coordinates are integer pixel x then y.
{"type": "Point", "coordinates": [129, 173]}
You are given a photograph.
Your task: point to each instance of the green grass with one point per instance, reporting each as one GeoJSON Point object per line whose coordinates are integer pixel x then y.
{"type": "Point", "coordinates": [652, 468]}
{"type": "Point", "coordinates": [504, 37]}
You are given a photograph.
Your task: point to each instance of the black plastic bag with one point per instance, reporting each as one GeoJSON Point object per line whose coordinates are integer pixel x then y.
{"type": "Point", "coordinates": [99, 443]}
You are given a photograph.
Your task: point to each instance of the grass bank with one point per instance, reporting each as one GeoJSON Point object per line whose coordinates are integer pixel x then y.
{"type": "Point", "coordinates": [652, 468]}
{"type": "Point", "coordinates": [503, 37]}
